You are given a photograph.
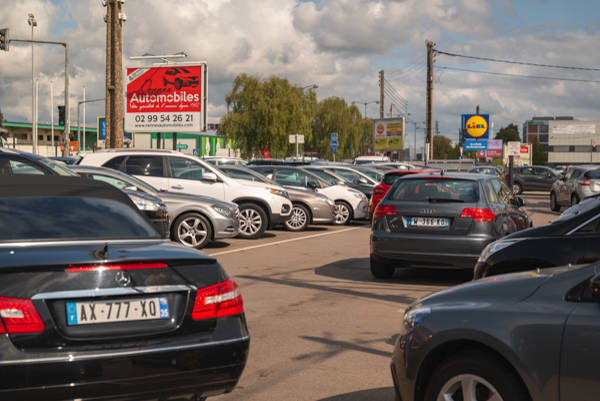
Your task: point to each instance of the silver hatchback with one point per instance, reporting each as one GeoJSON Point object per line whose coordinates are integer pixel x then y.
{"type": "Point", "coordinates": [578, 183]}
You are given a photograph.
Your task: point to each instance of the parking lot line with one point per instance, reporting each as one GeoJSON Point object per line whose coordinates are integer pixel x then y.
{"type": "Point", "coordinates": [284, 241]}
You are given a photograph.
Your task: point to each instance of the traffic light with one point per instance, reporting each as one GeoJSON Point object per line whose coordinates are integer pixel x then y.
{"type": "Point", "coordinates": [61, 115]}
{"type": "Point", "coordinates": [4, 39]}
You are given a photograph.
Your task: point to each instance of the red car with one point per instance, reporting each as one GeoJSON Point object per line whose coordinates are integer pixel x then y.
{"type": "Point", "coordinates": [389, 178]}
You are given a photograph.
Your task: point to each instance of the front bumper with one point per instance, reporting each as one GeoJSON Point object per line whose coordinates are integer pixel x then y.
{"type": "Point", "coordinates": [200, 368]}
{"type": "Point", "coordinates": [323, 213]}
{"type": "Point", "coordinates": [225, 227]}
{"type": "Point", "coordinates": [450, 251]}
{"type": "Point", "coordinates": [361, 211]}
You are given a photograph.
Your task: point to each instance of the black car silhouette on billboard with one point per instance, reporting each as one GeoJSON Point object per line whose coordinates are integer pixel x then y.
{"type": "Point", "coordinates": [180, 77]}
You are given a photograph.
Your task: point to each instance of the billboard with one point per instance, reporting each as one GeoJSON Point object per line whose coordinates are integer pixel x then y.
{"type": "Point", "coordinates": [166, 99]}
{"type": "Point", "coordinates": [476, 145]}
{"type": "Point", "coordinates": [476, 126]}
{"type": "Point", "coordinates": [101, 132]}
{"type": "Point", "coordinates": [494, 148]}
{"type": "Point", "coordinates": [388, 134]}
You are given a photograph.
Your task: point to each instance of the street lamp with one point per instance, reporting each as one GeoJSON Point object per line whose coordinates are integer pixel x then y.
{"type": "Point", "coordinates": [33, 23]}
{"type": "Point", "coordinates": [366, 103]}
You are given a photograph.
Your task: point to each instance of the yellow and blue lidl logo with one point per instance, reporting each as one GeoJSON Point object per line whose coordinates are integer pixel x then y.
{"type": "Point", "coordinates": [476, 125]}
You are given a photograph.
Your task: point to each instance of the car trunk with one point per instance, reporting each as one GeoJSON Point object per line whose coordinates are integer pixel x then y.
{"type": "Point", "coordinates": [102, 294]}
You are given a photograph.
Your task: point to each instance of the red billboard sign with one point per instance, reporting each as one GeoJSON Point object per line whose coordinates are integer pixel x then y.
{"type": "Point", "coordinates": [170, 98]}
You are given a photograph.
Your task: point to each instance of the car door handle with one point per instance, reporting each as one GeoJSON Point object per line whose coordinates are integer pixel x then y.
{"type": "Point", "coordinates": [177, 187]}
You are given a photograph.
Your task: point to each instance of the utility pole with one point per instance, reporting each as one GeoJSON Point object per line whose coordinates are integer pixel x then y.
{"type": "Point", "coordinates": [429, 106]}
{"type": "Point", "coordinates": [34, 139]}
{"type": "Point", "coordinates": [381, 93]}
{"type": "Point", "coordinates": [114, 73]}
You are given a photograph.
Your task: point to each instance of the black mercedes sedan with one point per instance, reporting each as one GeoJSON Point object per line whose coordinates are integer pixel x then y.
{"type": "Point", "coordinates": [573, 238]}
{"type": "Point", "coordinates": [95, 305]}
{"type": "Point", "coordinates": [529, 336]}
{"type": "Point", "coordinates": [441, 220]}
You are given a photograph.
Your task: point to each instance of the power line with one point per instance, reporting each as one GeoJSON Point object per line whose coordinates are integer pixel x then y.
{"type": "Point", "coordinates": [517, 75]}
{"type": "Point", "coordinates": [495, 60]}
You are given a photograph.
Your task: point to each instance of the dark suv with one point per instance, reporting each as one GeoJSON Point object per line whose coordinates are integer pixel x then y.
{"type": "Point", "coordinates": [533, 178]}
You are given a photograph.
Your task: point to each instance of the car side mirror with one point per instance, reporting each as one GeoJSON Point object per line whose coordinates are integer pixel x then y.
{"type": "Point", "coordinates": [313, 185]}
{"type": "Point", "coordinates": [130, 188]}
{"type": "Point", "coordinates": [595, 286]}
{"type": "Point", "coordinates": [363, 180]}
{"type": "Point", "coordinates": [212, 177]}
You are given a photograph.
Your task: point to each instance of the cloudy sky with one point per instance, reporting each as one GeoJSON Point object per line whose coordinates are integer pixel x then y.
{"type": "Point", "coordinates": [340, 45]}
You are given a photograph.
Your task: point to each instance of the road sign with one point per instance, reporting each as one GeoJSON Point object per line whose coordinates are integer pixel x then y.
{"type": "Point", "coordinates": [334, 147]}
{"type": "Point", "coordinates": [293, 138]}
{"type": "Point", "coordinates": [182, 146]}
{"type": "Point", "coordinates": [475, 145]}
{"type": "Point", "coordinates": [334, 142]}
{"type": "Point", "coordinates": [334, 135]}
{"type": "Point", "coordinates": [514, 148]}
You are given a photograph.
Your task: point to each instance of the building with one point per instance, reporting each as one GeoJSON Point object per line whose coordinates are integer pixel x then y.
{"type": "Point", "coordinates": [538, 128]}
{"type": "Point", "coordinates": [573, 142]}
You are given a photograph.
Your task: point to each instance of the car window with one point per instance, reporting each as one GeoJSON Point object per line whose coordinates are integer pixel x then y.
{"type": "Point", "coordinates": [57, 168]}
{"type": "Point", "coordinates": [592, 228]}
{"type": "Point", "coordinates": [23, 167]}
{"type": "Point", "coordinates": [371, 173]}
{"type": "Point", "coordinates": [420, 190]}
{"type": "Point", "coordinates": [109, 180]}
{"type": "Point", "coordinates": [328, 178]}
{"type": "Point", "coordinates": [348, 175]}
{"type": "Point", "coordinates": [527, 171]}
{"type": "Point", "coordinates": [186, 168]}
{"type": "Point", "coordinates": [293, 178]}
{"type": "Point", "coordinates": [242, 175]}
{"type": "Point", "coordinates": [115, 162]}
{"type": "Point", "coordinates": [49, 218]}
{"type": "Point", "coordinates": [145, 165]}
{"type": "Point", "coordinates": [390, 179]}
{"type": "Point", "coordinates": [491, 192]}
{"type": "Point", "coordinates": [543, 172]}
{"type": "Point", "coordinates": [593, 174]}
{"type": "Point", "coordinates": [576, 173]}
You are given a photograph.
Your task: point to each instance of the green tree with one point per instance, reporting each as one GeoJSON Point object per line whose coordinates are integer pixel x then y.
{"type": "Point", "coordinates": [442, 147]}
{"type": "Point", "coordinates": [539, 154]}
{"type": "Point", "coordinates": [509, 133]}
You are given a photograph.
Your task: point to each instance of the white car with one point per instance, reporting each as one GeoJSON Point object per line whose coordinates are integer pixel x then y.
{"type": "Point", "coordinates": [348, 173]}
{"type": "Point", "coordinates": [350, 203]}
{"type": "Point", "coordinates": [261, 206]}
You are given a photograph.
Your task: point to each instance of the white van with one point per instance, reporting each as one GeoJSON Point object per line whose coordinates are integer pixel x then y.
{"type": "Point", "coordinates": [370, 159]}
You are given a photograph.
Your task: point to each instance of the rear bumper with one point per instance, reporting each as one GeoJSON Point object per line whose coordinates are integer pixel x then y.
{"type": "Point", "coordinates": [454, 251]}
{"type": "Point", "coordinates": [201, 369]}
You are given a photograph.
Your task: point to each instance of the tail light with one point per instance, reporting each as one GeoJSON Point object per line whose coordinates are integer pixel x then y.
{"type": "Point", "coordinates": [478, 214]}
{"type": "Point", "coordinates": [19, 316]}
{"type": "Point", "coordinates": [385, 210]}
{"type": "Point", "coordinates": [219, 300]}
{"type": "Point", "coordinates": [117, 266]}
{"type": "Point", "coordinates": [378, 191]}
{"type": "Point", "coordinates": [585, 183]}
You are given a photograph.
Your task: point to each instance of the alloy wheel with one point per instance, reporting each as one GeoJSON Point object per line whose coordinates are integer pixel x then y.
{"type": "Point", "coordinates": [298, 219]}
{"type": "Point", "coordinates": [250, 221]}
{"type": "Point", "coordinates": [341, 213]}
{"type": "Point", "coordinates": [191, 232]}
{"type": "Point", "coordinates": [468, 387]}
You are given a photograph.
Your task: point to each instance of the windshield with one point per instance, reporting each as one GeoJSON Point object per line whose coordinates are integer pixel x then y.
{"type": "Point", "coordinates": [593, 174]}
{"type": "Point", "coordinates": [371, 173]}
{"type": "Point", "coordinates": [328, 178]}
{"type": "Point", "coordinates": [57, 168]}
{"type": "Point", "coordinates": [59, 218]}
{"type": "Point", "coordinates": [432, 189]}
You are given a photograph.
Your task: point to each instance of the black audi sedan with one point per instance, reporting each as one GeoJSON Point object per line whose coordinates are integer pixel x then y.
{"type": "Point", "coordinates": [95, 305]}
{"type": "Point", "coordinates": [573, 238]}
{"type": "Point", "coordinates": [441, 220]}
{"type": "Point", "coordinates": [529, 336]}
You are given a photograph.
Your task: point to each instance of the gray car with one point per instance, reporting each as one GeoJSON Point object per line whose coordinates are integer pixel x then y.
{"type": "Point", "coordinates": [195, 220]}
{"type": "Point", "coordinates": [530, 336]}
{"type": "Point", "coordinates": [578, 183]}
{"type": "Point", "coordinates": [309, 207]}
{"type": "Point", "coordinates": [533, 178]}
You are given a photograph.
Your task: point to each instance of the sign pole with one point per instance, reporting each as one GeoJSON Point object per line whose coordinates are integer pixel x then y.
{"type": "Point", "coordinates": [296, 146]}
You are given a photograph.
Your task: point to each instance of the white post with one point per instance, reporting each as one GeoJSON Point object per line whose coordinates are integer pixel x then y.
{"type": "Point", "coordinates": [52, 115]}
{"type": "Point", "coordinates": [296, 146]}
{"type": "Point", "coordinates": [83, 147]}
{"type": "Point", "coordinates": [35, 118]}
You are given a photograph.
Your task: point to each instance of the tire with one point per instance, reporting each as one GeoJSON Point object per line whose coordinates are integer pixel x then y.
{"type": "Point", "coordinates": [517, 188]}
{"type": "Point", "coordinates": [299, 219]}
{"type": "Point", "coordinates": [343, 213]}
{"type": "Point", "coordinates": [574, 199]}
{"type": "Point", "coordinates": [554, 206]}
{"type": "Point", "coordinates": [381, 269]}
{"type": "Point", "coordinates": [192, 230]}
{"type": "Point", "coordinates": [484, 373]}
{"type": "Point", "coordinates": [253, 221]}
{"type": "Point", "coordinates": [178, 84]}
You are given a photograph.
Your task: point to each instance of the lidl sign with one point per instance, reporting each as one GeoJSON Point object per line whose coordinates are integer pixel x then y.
{"type": "Point", "coordinates": [476, 126]}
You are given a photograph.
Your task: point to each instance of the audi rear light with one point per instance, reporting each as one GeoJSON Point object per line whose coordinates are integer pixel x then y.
{"type": "Point", "coordinates": [385, 210]}
{"type": "Point", "coordinates": [219, 300]}
{"type": "Point", "coordinates": [19, 316]}
{"type": "Point", "coordinates": [585, 183]}
{"type": "Point", "coordinates": [480, 215]}
{"type": "Point", "coordinates": [117, 266]}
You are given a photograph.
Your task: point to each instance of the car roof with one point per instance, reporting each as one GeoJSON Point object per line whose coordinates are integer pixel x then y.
{"type": "Point", "coordinates": [411, 171]}
{"type": "Point", "coordinates": [459, 176]}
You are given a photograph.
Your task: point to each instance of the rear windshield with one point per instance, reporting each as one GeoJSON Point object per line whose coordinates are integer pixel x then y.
{"type": "Point", "coordinates": [415, 190]}
{"type": "Point", "coordinates": [593, 174]}
{"type": "Point", "coordinates": [59, 218]}
{"type": "Point", "coordinates": [390, 179]}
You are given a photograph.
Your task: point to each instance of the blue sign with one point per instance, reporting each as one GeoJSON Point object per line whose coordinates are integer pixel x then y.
{"type": "Point", "coordinates": [476, 145]}
{"type": "Point", "coordinates": [101, 128]}
{"type": "Point", "coordinates": [334, 148]}
{"type": "Point", "coordinates": [476, 126]}
{"type": "Point", "coordinates": [334, 135]}
{"type": "Point", "coordinates": [334, 142]}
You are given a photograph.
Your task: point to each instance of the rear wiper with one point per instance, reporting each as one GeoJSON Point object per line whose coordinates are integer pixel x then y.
{"type": "Point", "coordinates": [440, 200]}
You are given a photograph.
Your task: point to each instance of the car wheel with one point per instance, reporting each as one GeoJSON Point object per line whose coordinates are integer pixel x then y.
{"type": "Point", "coordinates": [192, 230]}
{"type": "Point", "coordinates": [474, 376]}
{"type": "Point", "coordinates": [554, 206]}
{"type": "Point", "coordinates": [380, 269]}
{"type": "Point", "coordinates": [342, 213]}
{"type": "Point", "coordinates": [517, 188]}
{"type": "Point", "coordinates": [574, 199]}
{"type": "Point", "coordinates": [178, 83]}
{"type": "Point", "coordinates": [299, 218]}
{"type": "Point", "coordinates": [253, 221]}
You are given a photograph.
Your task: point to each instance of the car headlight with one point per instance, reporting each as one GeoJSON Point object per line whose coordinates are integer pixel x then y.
{"type": "Point", "coordinates": [359, 194]}
{"type": "Point", "coordinates": [279, 192]}
{"type": "Point", "coordinates": [145, 204]}
{"type": "Point", "coordinates": [415, 316]}
{"type": "Point", "coordinates": [493, 248]}
{"type": "Point", "coordinates": [330, 202]}
{"type": "Point", "coordinates": [225, 211]}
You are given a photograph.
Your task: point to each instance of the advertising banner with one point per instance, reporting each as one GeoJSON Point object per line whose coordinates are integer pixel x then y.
{"type": "Point", "coordinates": [388, 134]}
{"type": "Point", "coordinates": [166, 99]}
{"type": "Point", "coordinates": [101, 132]}
{"type": "Point", "coordinates": [476, 145]}
{"type": "Point", "coordinates": [476, 126]}
{"type": "Point", "coordinates": [494, 148]}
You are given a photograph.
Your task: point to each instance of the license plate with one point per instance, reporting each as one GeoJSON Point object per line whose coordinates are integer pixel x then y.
{"type": "Point", "coordinates": [118, 310]}
{"type": "Point", "coordinates": [428, 222]}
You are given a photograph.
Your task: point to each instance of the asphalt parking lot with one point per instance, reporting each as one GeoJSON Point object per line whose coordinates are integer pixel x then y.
{"type": "Point", "coordinates": [322, 327]}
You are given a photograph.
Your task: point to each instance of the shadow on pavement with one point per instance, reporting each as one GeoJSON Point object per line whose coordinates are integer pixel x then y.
{"type": "Point", "coordinates": [358, 269]}
{"type": "Point", "coordinates": [374, 394]}
{"type": "Point", "coordinates": [217, 245]}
